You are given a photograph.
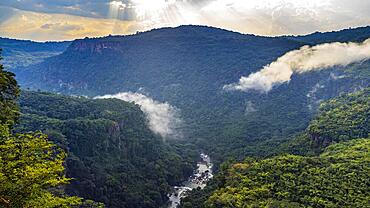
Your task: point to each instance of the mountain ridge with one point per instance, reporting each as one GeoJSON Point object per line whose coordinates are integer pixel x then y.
{"type": "Point", "coordinates": [188, 67]}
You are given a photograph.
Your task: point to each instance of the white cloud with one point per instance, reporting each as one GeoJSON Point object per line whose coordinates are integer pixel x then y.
{"type": "Point", "coordinates": [300, 61]}
{"type": "Point", "coordinates": [261, 17]}
{"type": "Point", "coordinates": [163, 118]}
{"type": "Point", "coordinates": [20, 24]}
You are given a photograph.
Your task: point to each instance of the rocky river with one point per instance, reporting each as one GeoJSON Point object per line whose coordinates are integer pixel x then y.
{"type": "Point", "coordinates": [199, 179]}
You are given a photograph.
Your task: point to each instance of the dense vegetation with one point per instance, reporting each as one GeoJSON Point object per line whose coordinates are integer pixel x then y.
{"type": "Point", "coordinates": [9, 92]}
{"type": "Point", "coordinates": [336, 177]}
{"type": "Point", "coordinates": [342, 119]}
{"type": "Point", "coordinates": [31, 167]}
{"type": "Point", "coordinates": [113, 157]}
{"type": "Point", "coordinates": [31, 172]}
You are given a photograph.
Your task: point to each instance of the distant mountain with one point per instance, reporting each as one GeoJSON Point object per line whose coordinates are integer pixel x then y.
{"type": "Point", "coordinates": [159, 60]}
{"type": "Point", "coordinates": [188, 66]}
{"type": "Point", "coordinates": [113, 157]}
{"type": "Point", "coordinates": [355, 35]}
{"type": "Point", "coordinates": [18, 53]}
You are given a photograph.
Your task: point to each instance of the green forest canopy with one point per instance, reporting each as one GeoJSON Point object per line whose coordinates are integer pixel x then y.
{"type": "Point", "coordinates": [336, 178]}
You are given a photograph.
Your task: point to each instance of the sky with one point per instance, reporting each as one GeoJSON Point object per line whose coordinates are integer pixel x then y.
{"type": "Point", "coordinates": [45, 20]}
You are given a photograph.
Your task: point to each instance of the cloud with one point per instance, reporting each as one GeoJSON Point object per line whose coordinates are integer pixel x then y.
{"type": "Point", "coordinates": [163, 118]}
{"type": "Point", "coordinates": [300, 61]}
{"type": "Point", "coordinates": [43, 26]}
{"type": "Point", "coordinates": [277, 17]}
{"type": "Point", "coordinates": [85, 8]}
{"type": "Point", "coordinates": [61, 26]}
{"type": "Point", "coordinates": [261, 17]}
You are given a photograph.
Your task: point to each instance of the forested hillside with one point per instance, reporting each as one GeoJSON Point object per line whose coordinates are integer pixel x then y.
{"type": "Point", "coordinates": [20, 53]}
{"type": "Point", "coordinates": [346, 35]}
{"type": "Point", "coordinates": [336, 178]}
{"type": "Point", "coordinates": [188, 67]}
{"type": "Point", "coordinates": [333, 174]}
{"type": "Point", "coordinates": [113, 157]}
{"type": "Point", "coordinates": [340, 119]}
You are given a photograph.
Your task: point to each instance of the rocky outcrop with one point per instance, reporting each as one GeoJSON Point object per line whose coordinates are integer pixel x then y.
{"type": "Point", "coordinates": [94, 46]}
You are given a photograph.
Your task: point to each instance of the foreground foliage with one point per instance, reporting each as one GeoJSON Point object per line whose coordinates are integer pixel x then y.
{"type": "Point", "coordinates": [31, 172]}
{"type": "Point", "coordinates": [31, 167]}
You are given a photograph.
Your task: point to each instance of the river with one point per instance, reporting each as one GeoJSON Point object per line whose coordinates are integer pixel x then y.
{"type": "Point", "coordinates": [199, 179]}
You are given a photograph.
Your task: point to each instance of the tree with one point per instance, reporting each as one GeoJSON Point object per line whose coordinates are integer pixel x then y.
{"type": "Point", "coordinates": [9, 92]}
{"type": "Point", "coordinates": [31, 167]}
{"type": "Point", "coordinates": [31, 172]}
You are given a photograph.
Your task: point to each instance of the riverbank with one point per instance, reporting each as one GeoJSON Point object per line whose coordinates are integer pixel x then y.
{"type": "Point", "coordinates": [199, 179]}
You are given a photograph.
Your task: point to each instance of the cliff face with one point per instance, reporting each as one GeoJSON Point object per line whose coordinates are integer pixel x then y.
{"type": "Point", "coordinates": [320, 141]}
{"type": "Point", "coordinates": [84, 46]}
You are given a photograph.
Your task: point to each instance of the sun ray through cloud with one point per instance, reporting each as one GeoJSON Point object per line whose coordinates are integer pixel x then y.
{"type": "Point", "coordinates": [260, 17]}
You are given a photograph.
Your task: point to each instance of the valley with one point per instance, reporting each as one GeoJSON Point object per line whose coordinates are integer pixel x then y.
{"type": "Point", "coordinates": [188, 66]}
{"type": "Point", "coordinates": [180, 117]}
